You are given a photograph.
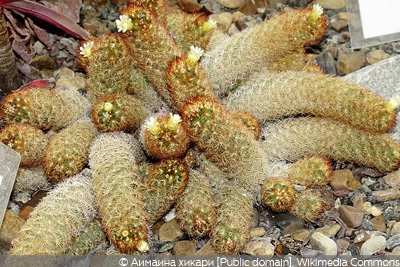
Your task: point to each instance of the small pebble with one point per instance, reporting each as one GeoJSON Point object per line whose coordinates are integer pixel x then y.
{"type": "Point", "coordinates": [259, 248]}
{"type": "Point", "coordinates": [184, 247]}
{"type": "Point", "coordinates": [351, 216]}
{"type": "Point", "coordinates": [387, 195]}
{"type": "Point", "coordinates": [301, 235]}
{"type": "Point", "coordinates": [396, 251]}
{"type": "Point", "coordinates": [224, 20]}
{"type": "Point", "coordinates": [393, 242]}
{"type": "Point", "coordinates": [324, 244]}
{"type": "Point", "coordinates": [339, 25]}
{"type": "Point", "coordinates": [343, 180]}
{"type": "Point", "coordinates": [329, 231]}
{"type": "Point", "coordinates": [373, 245]}
{"type": "Point", "coordinates": [257, 232]}
{"type": "Point", "coordinates": [395, 230]}
{"type": "Point", "coordinates": [379, 223]}
{"type": "Point", "coordinates": [373, 210]}
{"type": "Point", "coordinates": [393, 179]}
{"type": "Point", "coordinates": [170, 231]}
{"type": "Point", "coordinates": [231, 3]}
{"type": "Point", "coordinates": [350, 62]}
{"type": "Point", "coordinates": [361, 237]}
{"type": "Point", "coordinates": [376, 56]}
{"type": "Point", "coordinates": [331, 4]}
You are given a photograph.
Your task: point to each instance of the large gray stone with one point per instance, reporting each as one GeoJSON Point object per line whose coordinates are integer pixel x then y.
{"type": "Point", "coordinates": [382, 78]}
{"type": "Point", "coordinates": [9, 164]}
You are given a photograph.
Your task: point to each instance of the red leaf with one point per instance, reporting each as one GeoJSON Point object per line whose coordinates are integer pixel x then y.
{"type": "Point", "coordinates": [46, 14]}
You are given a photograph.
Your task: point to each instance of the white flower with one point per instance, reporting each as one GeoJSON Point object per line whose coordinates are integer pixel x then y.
{"type": "Point", "coordinates": [316, 12]}
{"type": "Point", "coordinates": [86, 49]}
{"type": "Point", "coordinates": [174, 120]}
{"type": "Point", "coordinates": [124, 23]}
{"type": "Point", "coordinates": [194, 54]}
{"type": "Point", "coordinates": [153, 126]}
{"type": "Point", "coordinates": [209, 25]}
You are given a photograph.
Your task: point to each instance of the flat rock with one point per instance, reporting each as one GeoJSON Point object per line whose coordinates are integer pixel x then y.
{"type": "Point", "coordinates": [381, 78]}
{"type": "Point", "coordinates": [224, 20]}
{"type": "Point", "coordinates": [184, 247]}
{"type": "Point", "coordinates": [257, 232]}
{"type": "Point", "coordinates": [372, 209]}
{"type": "Point", "coordinates": [387, 195]}
{"type": "Point", "coordinates": [376, 55]}
{"type": "Point", "coordinates": [301, 235]}
{"type": "Point", "coordinates": [351, 216]}
{"type": "Point", "coordinates": [373, 245]}
{"type": "Point", "coordinates": [379, 223]}
{"type": "Point", "coordinates": [170, 231]}
{"type": "Point", "coordinates": [350, 62]}
{"type": "Point", "coordinates": [324, 244]}
{"type": "Point", "coordinates": [393, 179]}
{"type": "Point", "coordinates": [260, 248]}
{"type": "Point", "coordinates": [329, 230]}
{"type": "Point", "coordinates": [395, 230]}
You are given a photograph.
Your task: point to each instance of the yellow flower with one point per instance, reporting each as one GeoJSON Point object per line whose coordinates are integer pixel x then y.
{"type": "Point", "coordinates": [108, 106]}
{"type": "Point", "coordinates": [86, 49]}
{"type": "Point", "coordinates": [153, 126]}
{"type": "Point", "coordinates": [209, 25]}
{"type": "Point", "coordinates": [124, 23]}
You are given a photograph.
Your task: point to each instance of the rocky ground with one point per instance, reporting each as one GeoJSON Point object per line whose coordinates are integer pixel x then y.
{"type": "Point", "coordinates": [368, 220]}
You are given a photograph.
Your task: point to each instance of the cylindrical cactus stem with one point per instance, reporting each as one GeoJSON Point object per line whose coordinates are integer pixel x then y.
{"type": "Point", "coordinates": [58, 219]}
{"type": "Point", "coordinates": [68, 152]}
{"type": "Point", "coordinates": [118, 112]}
{"type": "Point", "coordinates": [73, 106]}
{"type": "Point", "coordinates": [166, 181]}
{"type": "Point", "coordinates": [89, 238]}
{"type": "Point", "coordinates": [190, 29]}
{"type": "Point", "coordinates": [30, 142]}
{"type": "Point", "coordinates": [270, 96]}
{"type": "Point", "coordinates": [151, 45]}
{"type": "Point", "coordinates": [186, 79]}
{"type": "Point", "coordinates": [34, 105]}
{"type": "Point", "coordinates": [119, 191]}
{"type": "Point", "coordinates": [105, 61]}
{"type": "Point", "coordinates": [294, 139]}
{"type": "Point", "coordinates": [278, 193]}
{"type": "Point", "coordinates": [235, 58]}
{"type": "Point", "coordinates": [164, 136]}
{"type": "Point", "coordinates": [311, 171]}
{"type": "Point", "coordinates": [225, 141]}
{"type": "Point", "coordinates": [232, 231]}
{"type": "Point", "coordinates": [308, 205]}
{"type": "Point", "coordinates": [195, 208]}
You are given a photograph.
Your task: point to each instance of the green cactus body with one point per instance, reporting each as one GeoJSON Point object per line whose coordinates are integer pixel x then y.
{"type": "Point", "coordinates": [232, 231]}
{"type": "Point", "coordinates": [278, 193]}
{"type": "Point", "coordinates": [189, 29]}
{"type": "Point", "coordinates": [311, 171]}
{"type": "Point", "coordinates": [250, 121]}
{"type": "Point", "coordinates": [68, 152]}
{"type": "Point", "coordinates": [151, 45]}
{"type": "Point", "coordinates": [225, 141]}
{"type": "Point", "coordinates": [36, 106]}
{"type": "Point", "coordinates": [106, 66]}
{"type": "Point", "coordinates": [118, 112]}
{"type": "Point", "coordinates": [119, 191]}
{"type": "Point", "coordinates": [186, 80]}
{"type": "Point", "coordinates": [294, 139]}
{"type": "Point", "coordinates": [270, 96]}
{"type": "Point", "coordinates": [237, 57]}
{"type": "Point", "coordinates": [73, 106]}
{"type": "Point", "coordinates": [27, 140]}
{"type": "Point", "coordinates": [308, 205]}
{"type": "Point", "coordinates": [143, 90]}
{"type": "Point", "coordinates": [58, 218]}
{"type": "Point", "coordinates": [90, 237]}
{"type": "Point", "coordinates": [195, 209]}
{"type": "Point", "coordinates": [163, 137]}
{"type": "Point", "coordinates": [166, 182]}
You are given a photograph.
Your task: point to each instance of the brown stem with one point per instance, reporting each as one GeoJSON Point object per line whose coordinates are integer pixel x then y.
{"type": "Point", "coordinates": [9, 76]}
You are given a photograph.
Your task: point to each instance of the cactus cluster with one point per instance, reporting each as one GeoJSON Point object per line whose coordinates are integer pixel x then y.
{"type": "Point", "coordinates": [213, 131]}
